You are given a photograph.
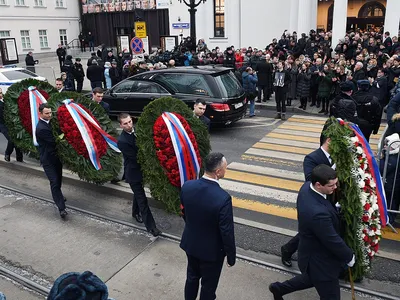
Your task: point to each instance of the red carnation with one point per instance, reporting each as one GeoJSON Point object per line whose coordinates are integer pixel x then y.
{"type": "Point", "coordinates": [24, 109]}
{"type": "Point", "coordinates": [365, 218]}
{"type": "Point", "coordinates": [366, 238]}
{"type": "Point", "coordinates": [367, 206]}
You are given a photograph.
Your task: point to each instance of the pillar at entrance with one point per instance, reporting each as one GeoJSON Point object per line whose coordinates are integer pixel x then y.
{"type": "Point", "coordinates": [294, 16]}
{"type": "Point", "coordinates": [339, 21]}
{"type": "Point", "coordinates": [307, 18]}
{"type": "Point", "coordinates": [392, 17]}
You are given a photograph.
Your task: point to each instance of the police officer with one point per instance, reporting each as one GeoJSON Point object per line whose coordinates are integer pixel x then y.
{"type": "Point", "coordinates": [368, 109]}
{"type": "Point", "coordinates": [79, 74]}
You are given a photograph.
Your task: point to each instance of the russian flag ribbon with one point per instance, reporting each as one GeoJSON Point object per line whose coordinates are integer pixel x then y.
{"type": "Point", "coordinates": [35, 99]}
{"type": "Point", "coordinates": [82, 120]}
{"type": "Point", "coordinates": [376, 176]}
{"type": "Point", "coordinates": [188, 162]}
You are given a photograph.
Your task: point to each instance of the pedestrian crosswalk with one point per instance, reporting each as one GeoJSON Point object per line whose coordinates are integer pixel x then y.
{"type": "Point", "coordinates": [269, 175]}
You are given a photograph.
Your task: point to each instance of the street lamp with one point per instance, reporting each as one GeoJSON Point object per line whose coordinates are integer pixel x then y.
{"type": "Point", "coordinates": [192, 4]}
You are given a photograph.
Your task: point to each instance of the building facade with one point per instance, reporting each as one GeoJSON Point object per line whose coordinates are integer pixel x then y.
{"type": "Point", "coordinates": [39, 25]}
{"type": "Point", "coordinates": [255, 23]}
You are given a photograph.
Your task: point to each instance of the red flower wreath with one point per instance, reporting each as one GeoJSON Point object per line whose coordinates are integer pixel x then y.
{"type": "Point", "coordinates": [24, 109]}
{"type": "Point", "coordinates": [165, 149]}
{"type": "Point", "coordinates": [73, 135]}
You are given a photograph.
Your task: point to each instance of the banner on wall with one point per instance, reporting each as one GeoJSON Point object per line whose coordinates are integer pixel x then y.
{"type": "Point", "coordinates": [101, 6]}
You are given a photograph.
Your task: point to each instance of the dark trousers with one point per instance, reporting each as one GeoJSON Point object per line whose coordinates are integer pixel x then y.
{"type": "Point", "coordinates": [208, 272]}
{"type": "Point", "coordinates": [91, 46]}
{"type": "Point", "coordinates": [280, 99]}
{"type": "Point", "coordinates": [83, 46]}
{"type": "Point", "coordinates": [325, 103]}
{"type": "Point", "coordinates": [366, 130]}
{"type": "Point", "coordinates": [10, 144]}
{"type": "Point", "coordinates": [79, 86]}
{"type": "Point", "coordinates": [263, 89]}
{"type": "Point", "coordinates": [95, 84]}
{"type": "Point", "coordinates": [61, 62]}
{"type": "Point", "coordinates": [291, 247]}
{"type": "Point", "coordinates": [327, 290]}
{"type": "Point", "coordinates": [314, 92]}
{"type": "Point", "coordinates": [303, 102]}
{"type": "Point", "coordinates": [54, 174]}
{"type": "Point", "coordinates": [140, 204]}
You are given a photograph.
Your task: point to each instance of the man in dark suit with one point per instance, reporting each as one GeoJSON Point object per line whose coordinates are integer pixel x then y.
{"type": "Point", "coordinates": [209, 232]}
{"type": "Point", "coordinates": [133, 174]}
{"type": "Point", "coordinates": [199, 109]}
{"type": "Point", "coordinates": [4, 131]}
{"type": "Point", "coordinates": [322, 252]}
{"type": "Point", "coordinates": [48, 157]}
{"type": "Point", "coordinates": [318, 157]}
{"type": "Point", "coordinates": [98, 94]}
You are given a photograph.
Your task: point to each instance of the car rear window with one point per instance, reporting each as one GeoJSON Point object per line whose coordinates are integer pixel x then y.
{"type": "Point", "coordinates": [18, 74]}
{"type": "Point", "coordinates": [185, 83]}
{"type": "Point", "coordinates": [228, 84]}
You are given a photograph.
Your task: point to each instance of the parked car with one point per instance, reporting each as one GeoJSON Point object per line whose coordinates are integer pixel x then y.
{"type": "Point", "coordinates": [12, 74]}
{"type": "Point", "coordinates": [219, 87]}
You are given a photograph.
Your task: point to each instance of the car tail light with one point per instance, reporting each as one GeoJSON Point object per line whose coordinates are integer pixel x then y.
{"type": "Point", "coordinates": [220, 107]}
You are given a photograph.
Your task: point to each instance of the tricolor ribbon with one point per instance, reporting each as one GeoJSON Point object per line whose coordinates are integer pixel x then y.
{"type": "Point", "coordinates": [35, 99]}
{"type": "Point", "coordinates": [82, 120]}
{"type": "Point", "coordinates": [188, 162]}
{"type": "Point", "coordinates": [376, 176]}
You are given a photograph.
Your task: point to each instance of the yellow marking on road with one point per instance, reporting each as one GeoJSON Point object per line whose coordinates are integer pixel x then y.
{"type": "Point", "coordinates": [265, 208]}
{"type": "Point", "coordinates": [309, 121]}
{"type": "Point", "coordinates": [275, 182]}
{"type": "Point", "coordinates": [298, 128]}
{"type": "Point", "coordinates": [277, 147]}
{"type": "Point", "coordinates": [303, 138]}
{"type": "Point", "coordinates": [271, 160]}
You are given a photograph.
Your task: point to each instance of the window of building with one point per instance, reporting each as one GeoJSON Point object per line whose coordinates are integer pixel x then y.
{"type": "Point", "coordinates": [3, 2]}
{"type": "Point", "coordinates": [63, 37]}
{"type": "Point", "coordinates": [5, 33]}
{"type": "Point", "coordinates": [39, 3]}
{"type": "Point", "coordinates": [372, 9]}
{"type": "Point", "coordinates": [20, 2]}
{"type": "Point", "coordinates": [60, 3]}
{"type": "Point", "coordinates": [43, 39]}
{"type": "Point", "coordinates": [219, 18]}
{"type": "Point", "coordinates": [25, 39]}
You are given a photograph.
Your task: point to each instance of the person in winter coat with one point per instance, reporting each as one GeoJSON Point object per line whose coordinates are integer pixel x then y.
{"type": "Point", "coordinates": [264, 72]}
{"type": "Point", "coordinates": [368, 109]}
{"type": "Point", "coordinates": [392, 182]}
{"type": "Point", "coordinates": [281, 83]}
{"type": "Point", "coordinates": [107, 67]}
{"type": "Point", "coordinates": [30, 62]}
{"type": "Point", "coordinates": [249, 79]}
{"type": "Point", "coordinates": [93, 56]}
{"type": "Point", "coordinates": [379, 88]}
{"type": "Point", "coordinates": [110, 56]}
{"type": "Point", "coordinates": [303, 85]}
{"type": "Point", "coordinates": [95, 74]}
{"type": "Point", "coordinates": [325, 84]}
{"type": "Point", "coordinates": [344, 106]}
{"type": "Point", "coordinates": [68, 69]}
{"type": "Point", "coordinates": [238, 59]}
{"type": "Point", "coordinates": [292, 68]}
{"type": "Point", "coordinates": [115, 73]}
{"type": "Point", "coordinates": [61, 53]}
{"type": "Point", "coordinates": [229, 60]}
{"type": "Point", "coordinates": [79, 74]}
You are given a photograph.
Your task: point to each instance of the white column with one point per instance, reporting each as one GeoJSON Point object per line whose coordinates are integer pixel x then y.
{"type": "Point", "coordinates": [294, 16]}
{"type": "Point", "coordinates": [339, 21]}
{"type": "Point", "coordinates": [392, 17]}
{"type": "Point", "coordinates": [307, 16]}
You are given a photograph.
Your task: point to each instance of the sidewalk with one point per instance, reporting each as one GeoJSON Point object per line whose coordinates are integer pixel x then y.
{"type": "Point", "coordinates": [294, 108]}
{"type": "Point", "coordinates": [133, 264]}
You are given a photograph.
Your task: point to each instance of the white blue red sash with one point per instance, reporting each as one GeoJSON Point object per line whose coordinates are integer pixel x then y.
{"type": "Point", "coordinates": [35, 99]}
{"type": "Point", "coordinates": [376, 176]}
{"type": "Point", "coordinates": [188, 162]}
{"type": "Point", "coordinates": [82, 119]}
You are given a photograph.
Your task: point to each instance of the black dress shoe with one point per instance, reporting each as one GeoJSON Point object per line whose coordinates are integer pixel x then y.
{"type": "Point", "coordinates": [273, 288]}
{"type": "Point", "coordinates": [7, 157]}
{"type": "Point", "coordinates": [138, 218]}
{"type": "Point", "coordinates": [65, 199]}
{"type": "Point", "coordinates": [155, 231]}
{"type": "Point", "coordinates": [63, 214]}
{"type": "Point", "coordinates": [286, 258]}
{"type": "Point", "coordinates": [19, 159]}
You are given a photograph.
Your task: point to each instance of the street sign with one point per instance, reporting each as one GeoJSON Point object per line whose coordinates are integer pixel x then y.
{"type": "Point", "coordinates": [137, 45]}
{"type": "Point", "coordinates": [180, 25]}
{"type": "Point", "coordinates": [140, 29]}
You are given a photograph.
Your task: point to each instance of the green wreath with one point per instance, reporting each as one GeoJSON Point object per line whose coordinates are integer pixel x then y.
{"type": "Point", "coordinates": [19, 134]}
{"type": "Point", "coordinates": [154, 174]}
{"type": "Point", "coordinates": [111, 161]}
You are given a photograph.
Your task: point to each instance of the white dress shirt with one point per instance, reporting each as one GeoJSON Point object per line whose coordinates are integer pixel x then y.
{"type": "Point", "coordinates": [312, 187]}
{"type": "Point", "coordinates": [211, 179]}
{"type": "Point", "coordinates": [328, 156]}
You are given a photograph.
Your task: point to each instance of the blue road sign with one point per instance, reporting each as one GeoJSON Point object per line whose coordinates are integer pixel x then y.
{"type": "Point", "coordinates": [137, 45]}
{"type": "Point", "coordinates": [180, 25]}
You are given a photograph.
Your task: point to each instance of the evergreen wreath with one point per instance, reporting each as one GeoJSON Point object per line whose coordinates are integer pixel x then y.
{"type": "Point", "coordinates": [70, 146]}
{"type": "Point", "coordinates": [154, 173]}
{"type": "Point", "coordinates": [17, 113]}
